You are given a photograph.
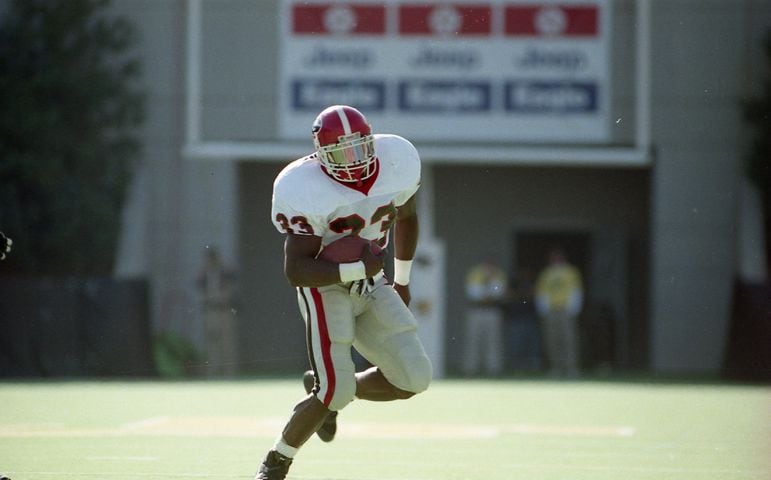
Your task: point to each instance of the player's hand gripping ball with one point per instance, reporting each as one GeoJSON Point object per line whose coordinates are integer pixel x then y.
{"type": "Point", "coordinates": [348, 249]}
{"type": "Point", "coordinates": [5, 247]}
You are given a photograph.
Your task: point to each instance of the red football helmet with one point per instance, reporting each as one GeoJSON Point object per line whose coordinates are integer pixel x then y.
{"type": "Point", "coordinates": [344, 143]}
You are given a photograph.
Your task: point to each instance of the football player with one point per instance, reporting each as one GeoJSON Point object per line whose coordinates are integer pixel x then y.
{"type": "Point", "coordinates": [356, 183]}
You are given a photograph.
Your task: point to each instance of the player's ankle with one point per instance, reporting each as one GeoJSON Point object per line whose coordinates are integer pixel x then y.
{"type": "Point", "coordinates": [284, 448]}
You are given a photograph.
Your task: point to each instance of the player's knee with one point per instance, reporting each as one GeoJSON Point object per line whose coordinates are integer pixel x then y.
{"type": "Point", "coordinates": [345, 390]}
{"type": "Point", "coordinates": [419, 375]}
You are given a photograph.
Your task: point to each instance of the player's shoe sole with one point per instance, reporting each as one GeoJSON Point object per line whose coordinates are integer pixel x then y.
{"type": "Point", "coordinates": [328, 429]}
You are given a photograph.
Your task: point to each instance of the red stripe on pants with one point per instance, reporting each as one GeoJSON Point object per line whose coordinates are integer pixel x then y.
{"type": "Point", "coordinates": [326, 345]}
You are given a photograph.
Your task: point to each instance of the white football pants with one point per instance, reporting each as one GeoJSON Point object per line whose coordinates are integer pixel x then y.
{"type": "Point", "coordinates": [377, 323]}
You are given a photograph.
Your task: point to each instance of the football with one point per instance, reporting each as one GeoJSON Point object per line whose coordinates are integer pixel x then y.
{"type": "Point", "coordinates": [348, 249]}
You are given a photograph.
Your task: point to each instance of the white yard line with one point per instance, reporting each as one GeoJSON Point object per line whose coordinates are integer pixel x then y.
{"type": "Point", "coordinates": [144, 423]}
{"type": "Point", "coordinates": [133, 474]}
{"type": "Point", "coordinates": [121, 458]}
{"type": "Point", "coordinates": [251, 427]}
{"type": "Point", "coordinates": [571, 430]}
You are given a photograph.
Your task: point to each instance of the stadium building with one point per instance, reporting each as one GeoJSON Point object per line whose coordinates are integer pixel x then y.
{"type": "Point", "coordinates": [611, 127]}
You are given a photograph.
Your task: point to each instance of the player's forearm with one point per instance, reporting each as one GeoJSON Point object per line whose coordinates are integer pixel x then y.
{"type": "Point", "coordinates": [315, 272]}
{"type": "Point", "coordinates": [311, 272]}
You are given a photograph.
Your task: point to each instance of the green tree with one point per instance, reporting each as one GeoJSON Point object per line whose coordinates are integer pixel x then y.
{"type": "Point", "coordinates": [757, 112]}
{"type": "Point", "coordinates": [71, 106]}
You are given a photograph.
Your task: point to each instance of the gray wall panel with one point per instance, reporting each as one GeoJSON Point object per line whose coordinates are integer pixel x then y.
{"type": "Point", "coordinates": [696, 73]}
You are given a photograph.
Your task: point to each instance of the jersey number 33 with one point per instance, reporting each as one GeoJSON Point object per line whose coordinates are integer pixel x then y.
{"type": "Point", "coordinates": [353, 223]}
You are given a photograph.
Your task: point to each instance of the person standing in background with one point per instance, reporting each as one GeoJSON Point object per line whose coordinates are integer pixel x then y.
{"type": "Point", "coordinates": [218, 289]}
{"type": "Point", "coordinates": [5, 245]}
{"type": "Point", "coordinates": [559, 296]}
{"type": "Point", "coordinates": [486, 291]}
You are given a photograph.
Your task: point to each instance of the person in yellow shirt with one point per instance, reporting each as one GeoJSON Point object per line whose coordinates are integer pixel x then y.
{"type": "Point", "coordinates": [559, 295]}
{"type": "Point", "coordinates": [486, 292]}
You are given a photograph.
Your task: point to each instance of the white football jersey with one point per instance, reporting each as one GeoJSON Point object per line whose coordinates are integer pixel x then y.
{"type": "Point", "coordinates": [306, 201]}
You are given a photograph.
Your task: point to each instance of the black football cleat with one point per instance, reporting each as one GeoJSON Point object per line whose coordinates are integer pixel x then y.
{"type": "Point", "coordinates": [328, 429]}
{"type": "Point", "coordinates": [274, 467]}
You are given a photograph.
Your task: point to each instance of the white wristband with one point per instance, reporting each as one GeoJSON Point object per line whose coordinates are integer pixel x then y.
{"type": "Point", "coordinates": [402, 271]}
{"type": "Point", "coordinates": [350, 272]}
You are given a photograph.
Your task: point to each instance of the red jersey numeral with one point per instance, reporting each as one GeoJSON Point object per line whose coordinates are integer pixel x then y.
{"type": "Point", "coordinates": [385, 214]}
{"type": "Point", "coordinates": [352, 222]}
{"type": "Point", "coordinates": [299, 221]}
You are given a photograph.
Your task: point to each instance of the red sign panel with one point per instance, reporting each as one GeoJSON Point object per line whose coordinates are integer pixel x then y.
{"type": "Point", "coordinates": [552, 20]}
{"type": "Point", "coordinates": [438, 19]}
{"type": "Point", "coordinates": [337, 18]}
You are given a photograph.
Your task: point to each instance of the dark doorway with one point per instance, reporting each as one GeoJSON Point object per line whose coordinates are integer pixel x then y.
{"type": "Point", "coordinates": [532, 249]}
{"type": "Point", "coordinates": [598, 256]}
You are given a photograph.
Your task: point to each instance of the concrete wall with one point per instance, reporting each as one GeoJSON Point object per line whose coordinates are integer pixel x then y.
{"type": "Point", "coordinates": [272, 330]}
{"type": "Point", "coordinates": [176, 207]}
{"type": "Point", "coordinates": [240, 58]}
{"type": "Point", "coordinates": [699, 63]}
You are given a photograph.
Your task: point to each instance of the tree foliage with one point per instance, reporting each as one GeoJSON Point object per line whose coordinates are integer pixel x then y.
{"type": "Point", "coordinates": [68, 133]}
{"type": "Point", "coordinates": [757, 112]}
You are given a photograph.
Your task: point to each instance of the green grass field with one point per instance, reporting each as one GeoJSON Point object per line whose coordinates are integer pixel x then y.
{"type": "Point", "coordinates": [475, 430]}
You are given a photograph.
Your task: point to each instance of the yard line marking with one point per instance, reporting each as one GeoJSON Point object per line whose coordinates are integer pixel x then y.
{"type": "Point", "coordinates": [419, 430]}
{"type": "Point", "coordinates": [144, 423]}
{"type": "Point", "coordinates": [425, 430]}
{"type": "Point", "coordinates": [133, 474]}
{"type": "Point", "coordinates": [256, 427]}
{"type": "Point", "coordinates": [571, 431]}
{"type": "Point", "coordinates": [122, 458]}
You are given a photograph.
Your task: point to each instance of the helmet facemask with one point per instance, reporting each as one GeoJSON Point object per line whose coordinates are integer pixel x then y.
{"type": "Point", "coordinates": [352, 159]}
{"type": "Point", "coordinates": [344, 144]}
